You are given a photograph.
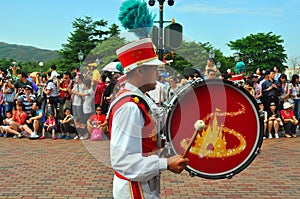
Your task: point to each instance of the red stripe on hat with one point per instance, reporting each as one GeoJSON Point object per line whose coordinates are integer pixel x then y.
{"type": "Point", "coordinates": [137, 54]}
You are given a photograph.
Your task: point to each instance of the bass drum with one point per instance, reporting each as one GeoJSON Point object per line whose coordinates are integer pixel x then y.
{"type": "Point", "coordinates": [233, 133]}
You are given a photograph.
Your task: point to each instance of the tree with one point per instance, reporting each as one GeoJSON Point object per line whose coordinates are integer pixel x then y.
{"type": "Point", "coordinates": [106, 50]}
{"type": "Point", "coordinates": [86, 36]}
{"type": "Point", "coordinates": [195, 54]}
{"type": "Point", "coordinates": [293, 62]}
{"type": "Point", "coordinates": [260, 50]}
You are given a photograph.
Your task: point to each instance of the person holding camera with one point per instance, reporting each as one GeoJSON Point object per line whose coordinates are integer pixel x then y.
{"type": "Point", "coordinates": [26, 98]}
{"type": "Point", "coordinates": [8, 92]}
{"type": "Point", "coordinates": [271, 89]}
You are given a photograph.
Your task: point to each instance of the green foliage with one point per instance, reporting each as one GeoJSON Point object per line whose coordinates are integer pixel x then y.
{"type": "Point", "coordinates": [195, 54]}
{"type": "Point", "coordinates": [86, 36]}
{"type": "Point", "coordinates": [260, 51]}
{"type": "Point", "coordinates": [106, 50]}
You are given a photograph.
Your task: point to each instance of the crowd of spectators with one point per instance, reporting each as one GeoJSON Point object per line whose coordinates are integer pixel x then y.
{"type": "Point", "coordinates": [47, 105]}
{"type": "Point", "coordinates": [74, 104]}
{"type": "Point", "coordinates": [277, 97]}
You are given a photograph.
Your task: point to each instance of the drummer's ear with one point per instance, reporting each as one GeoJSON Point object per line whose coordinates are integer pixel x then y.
{"type": "Point", "coordinates": [140, 70]}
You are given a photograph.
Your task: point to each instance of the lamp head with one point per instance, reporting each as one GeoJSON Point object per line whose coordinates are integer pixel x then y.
{"type": "Point", "coordinates": [170, 2]}
{"type": "Point", "coordinates": [151, 2]}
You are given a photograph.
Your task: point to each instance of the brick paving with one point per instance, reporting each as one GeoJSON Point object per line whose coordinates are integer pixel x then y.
{"type": "Point", "coordinates": [74, 169]}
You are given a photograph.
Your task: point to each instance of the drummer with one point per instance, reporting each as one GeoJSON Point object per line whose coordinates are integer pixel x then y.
{"type": "Point", "coordinates": [133, 139]}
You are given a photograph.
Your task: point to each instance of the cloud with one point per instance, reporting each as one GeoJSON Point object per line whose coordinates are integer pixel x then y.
{"type": "Point", "coordinates": [202, 8]}
{"type": "Point", "coordinates": [222, 10]}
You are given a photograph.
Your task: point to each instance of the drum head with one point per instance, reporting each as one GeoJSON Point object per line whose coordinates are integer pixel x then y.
{"type": "Point", "coordinates": [233, 133]}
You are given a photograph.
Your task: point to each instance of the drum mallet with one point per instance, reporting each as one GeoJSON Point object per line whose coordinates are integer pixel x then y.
{"type": "Point", "coordinates": [199, 125]}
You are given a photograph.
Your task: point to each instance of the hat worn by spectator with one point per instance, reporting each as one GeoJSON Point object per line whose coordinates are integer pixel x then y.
{"type": "Point", "coordinates": [28, 86]}
{"type": "Point", "coordinates": [138, 53]}
{"type": "Point", "coordinates": [287, 105]}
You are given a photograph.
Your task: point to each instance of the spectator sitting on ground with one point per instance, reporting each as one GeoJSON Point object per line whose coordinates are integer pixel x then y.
{"type": "Point", "coordinates": [36, 121]}
{"type": "Point", "coordinates": [50, 126]}
{"type": "Point", "coordinates": [6, 122]}
{"type": "Point", "coordinates": [97, 120]}
{"type": "Point", "coordinates": [19, 119]}
{"type": "Point", "coordinates": [273, 120]}
{"type": "Point", "coordinates": [67, 125]}
{"type": "Point", "coordinates": [289, 120]}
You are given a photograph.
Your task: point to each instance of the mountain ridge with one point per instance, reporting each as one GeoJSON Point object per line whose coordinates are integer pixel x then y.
{"type": "Point", "coordinates": [26, 53]}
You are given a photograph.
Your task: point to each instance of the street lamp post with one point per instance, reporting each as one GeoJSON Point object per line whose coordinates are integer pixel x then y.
{"type": "Point", "coordinates": [161, 24]}
{"type": "Point", "coordinates": [211, 54]}
{"type": "Point", "coordinates": [218, 65]}
{"type": "Point", "coordinates": [80, 57]}
{"type": "Point", "coordinates": [41, 64]}
{"type": "Point", "coordinates": [236, 56]}
{"type": "Point", "coordinates": [97, 62]}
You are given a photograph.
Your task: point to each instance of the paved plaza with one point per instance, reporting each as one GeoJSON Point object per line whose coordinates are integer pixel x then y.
{"type": "Point", "coordinates": [74, 169]}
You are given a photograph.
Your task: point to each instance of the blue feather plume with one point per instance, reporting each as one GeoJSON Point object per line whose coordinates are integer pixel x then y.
{"type": "Point", "coordinates": [135, 16]}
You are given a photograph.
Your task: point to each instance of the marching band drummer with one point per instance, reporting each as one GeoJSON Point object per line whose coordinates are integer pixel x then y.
{"type": "Point", "coordinates": [133, 146]}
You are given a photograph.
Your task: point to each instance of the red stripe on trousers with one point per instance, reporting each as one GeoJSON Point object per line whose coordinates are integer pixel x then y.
{"type": "Point", "coordinates": [136, 190]}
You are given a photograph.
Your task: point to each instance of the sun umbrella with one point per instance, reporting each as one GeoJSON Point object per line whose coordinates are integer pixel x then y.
{"type": "Point", "coordinates": [111, 67]}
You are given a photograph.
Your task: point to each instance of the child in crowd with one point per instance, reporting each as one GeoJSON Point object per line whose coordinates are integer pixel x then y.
{"type": "Point", "coordinates": [6, 122]}
{"type": "Point", "coordinates": [49, 125]}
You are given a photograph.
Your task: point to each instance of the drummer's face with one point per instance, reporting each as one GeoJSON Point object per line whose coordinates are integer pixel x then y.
{"type": "Point", "coordinates": [149, 77]}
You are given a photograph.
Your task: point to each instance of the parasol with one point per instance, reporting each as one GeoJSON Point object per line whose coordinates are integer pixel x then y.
{"type": "Point", "coordinates": [111, 67]}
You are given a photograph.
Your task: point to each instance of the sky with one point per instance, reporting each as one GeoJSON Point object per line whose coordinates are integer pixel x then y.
{"type": "Point", "coordinates": [47, 24]}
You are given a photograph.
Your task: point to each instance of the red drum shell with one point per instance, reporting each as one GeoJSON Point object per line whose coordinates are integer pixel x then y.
{"type": "Point", "coordinates": [233, 134]}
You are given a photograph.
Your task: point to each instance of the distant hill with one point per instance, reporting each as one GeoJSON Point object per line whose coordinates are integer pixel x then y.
{"type": "Point", "coordinates": [26, 53]}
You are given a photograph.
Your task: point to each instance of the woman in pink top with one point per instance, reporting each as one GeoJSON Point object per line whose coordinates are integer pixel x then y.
{"type": "Point", "coordinates": [289, 120]}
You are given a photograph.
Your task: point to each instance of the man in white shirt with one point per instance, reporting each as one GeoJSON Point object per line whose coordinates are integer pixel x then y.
{"type": "Point", "coordinates": [133, 146]}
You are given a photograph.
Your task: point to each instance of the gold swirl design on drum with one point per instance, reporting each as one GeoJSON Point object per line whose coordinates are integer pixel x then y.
{"type": "Point", "coordinates": [212, 142]}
